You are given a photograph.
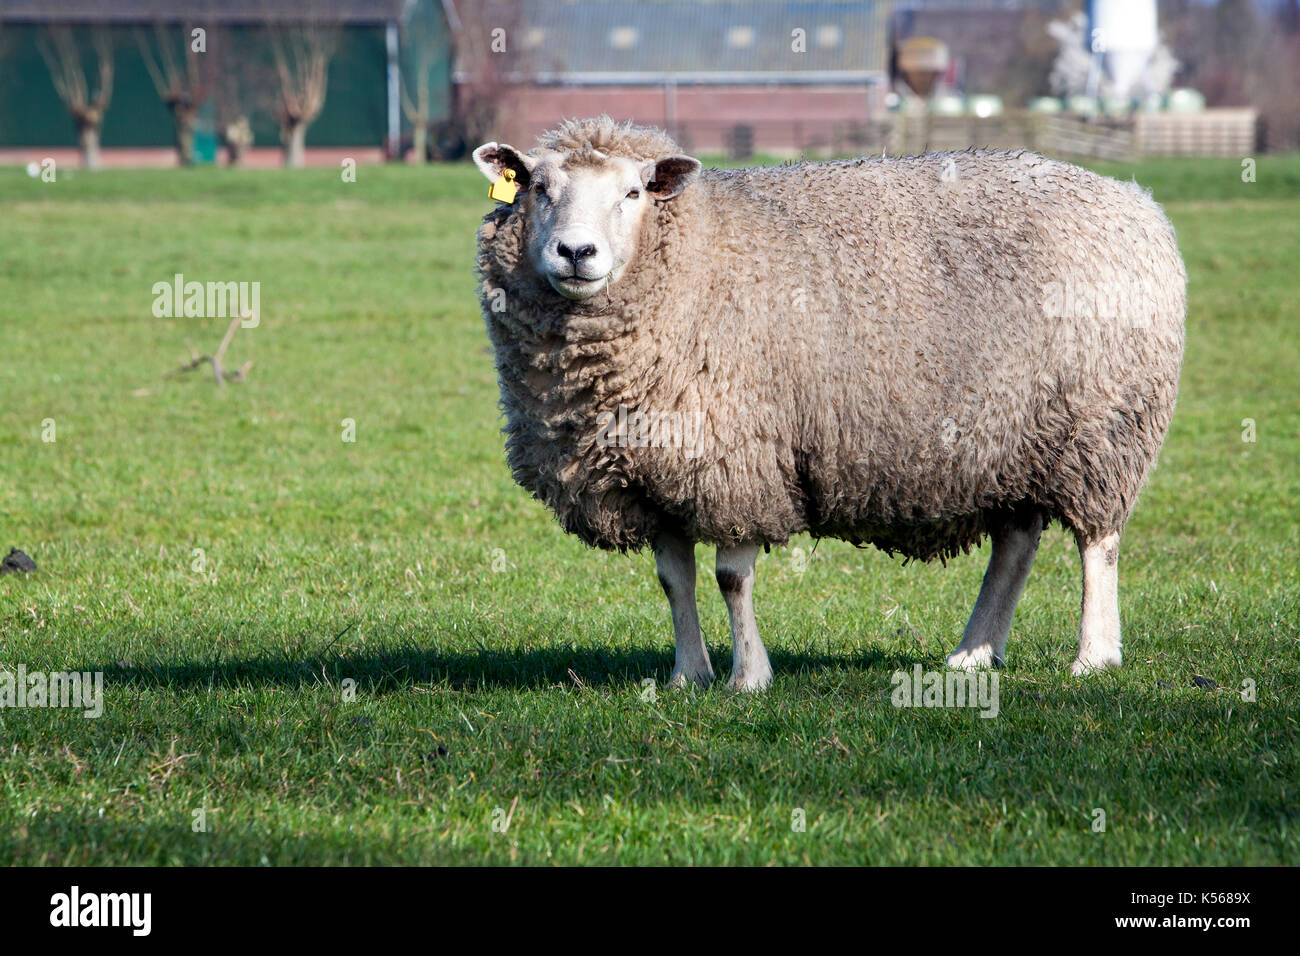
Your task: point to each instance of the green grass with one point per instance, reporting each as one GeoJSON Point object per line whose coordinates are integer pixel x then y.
{"type": "Point", "coordinates": [373, 562]}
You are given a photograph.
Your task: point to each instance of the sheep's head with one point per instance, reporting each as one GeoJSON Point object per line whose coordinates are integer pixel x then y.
{"type": "Point", "coordinates": [584, 210]}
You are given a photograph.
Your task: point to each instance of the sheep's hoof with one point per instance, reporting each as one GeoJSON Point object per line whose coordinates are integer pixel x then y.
{"type": "Point", "coordinates": [1093, 665]}
{"type": "Point", "coordinates": [752, 682]}
{"type": "Point", "coordinates": [973, 658]}
{"type": "Point", "coordinates": [688, 677]}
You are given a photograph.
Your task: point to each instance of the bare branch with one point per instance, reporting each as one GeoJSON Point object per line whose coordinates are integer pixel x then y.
{"type": "Point", "coordinates": [219, 371]}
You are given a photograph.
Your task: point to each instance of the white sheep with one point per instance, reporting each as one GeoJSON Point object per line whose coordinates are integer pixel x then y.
{"type": "Point", "coordinates": [909, 352]}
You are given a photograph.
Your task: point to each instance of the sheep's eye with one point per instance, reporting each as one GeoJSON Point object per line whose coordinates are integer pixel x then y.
{"type": "Point", "coordinates": [634, 194]}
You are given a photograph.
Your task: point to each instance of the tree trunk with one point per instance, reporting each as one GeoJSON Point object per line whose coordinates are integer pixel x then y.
{"type": "Point", "coordinates": [421, 132]}
{"type": "Point", "coordinates": [237, 136]}
{"type": "Point", "coordinates": [184, 120]}
{"type": "Point", "coordinates": [88, 144]}
{"type": "Point", "coordinates": [294, 136]}
{"type": "Point", "coordinates": [420, 142]}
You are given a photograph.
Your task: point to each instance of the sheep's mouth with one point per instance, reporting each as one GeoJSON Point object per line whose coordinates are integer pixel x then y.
{"type": "Point", "coordinates": [576, 287]}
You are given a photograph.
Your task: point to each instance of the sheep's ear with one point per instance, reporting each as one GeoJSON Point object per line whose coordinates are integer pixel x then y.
{"type": "Point", "coordinates": [493, 159]}
{"type": "Point", "coordinates": [665, 178]}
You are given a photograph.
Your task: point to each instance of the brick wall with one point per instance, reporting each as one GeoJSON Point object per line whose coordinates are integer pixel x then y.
{"type": "Point", "coordinates": [782, 119]}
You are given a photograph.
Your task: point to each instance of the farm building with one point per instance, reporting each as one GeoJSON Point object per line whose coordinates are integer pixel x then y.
{"type": "Point", "coordinates": [722, 74]}
{"type": "Point", "coordinates": [777, 76]}
{"type": "Point", "coordinates": [435, 77]}
{"type": "Point", "coordinates": [361, 105]}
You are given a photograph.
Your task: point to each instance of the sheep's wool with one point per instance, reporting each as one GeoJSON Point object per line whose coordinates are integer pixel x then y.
{"type": "Point", "coordinates": [899, 352]}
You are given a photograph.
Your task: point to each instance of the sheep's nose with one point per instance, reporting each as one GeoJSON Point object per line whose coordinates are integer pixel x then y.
{"type": "Point", "coordinates": [578, 254]}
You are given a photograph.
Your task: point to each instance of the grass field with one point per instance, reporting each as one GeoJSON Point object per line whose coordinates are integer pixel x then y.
{"type": "Point", "coordinates": [498, 665]}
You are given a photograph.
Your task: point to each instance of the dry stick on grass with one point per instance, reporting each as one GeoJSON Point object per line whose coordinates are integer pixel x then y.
{"type": "Point", "coordinates": [218, 370]}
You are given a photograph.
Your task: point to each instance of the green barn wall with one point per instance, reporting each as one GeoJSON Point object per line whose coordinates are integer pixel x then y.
{"type": "Point", "coordinates": [355, 112]}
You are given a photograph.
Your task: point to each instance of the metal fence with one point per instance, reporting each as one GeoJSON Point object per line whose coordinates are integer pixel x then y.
{"type": "Point", "coordinates": [1213, 132]}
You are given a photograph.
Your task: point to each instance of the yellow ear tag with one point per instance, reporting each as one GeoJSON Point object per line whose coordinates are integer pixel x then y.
{"type": "Point", "coordinates": [504, 189]}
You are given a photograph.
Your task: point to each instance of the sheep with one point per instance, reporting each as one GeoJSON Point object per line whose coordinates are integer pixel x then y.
{"type": "Point", "coordinates": [911, 353]}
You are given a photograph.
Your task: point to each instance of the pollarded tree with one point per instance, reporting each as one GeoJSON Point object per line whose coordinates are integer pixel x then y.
{"type": "Point", "coordinates": [182, 82]}
{"type": "Point", "coordinates": [302, 53]}
{"type": "Point", "coordinates": [85, 104]}
{"type": "Point", "coordinates": [424, 43]}
{"type": "Point", "coordinates": [422, 29]}
{"type": "Point", "coordinates": [244, 84]}
{"type": "Point", "coordinates": [488, 59]}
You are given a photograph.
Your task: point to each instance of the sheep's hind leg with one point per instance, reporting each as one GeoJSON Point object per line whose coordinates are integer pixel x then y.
{"type": "Point", "coordinates": [675, 561]}
{"type": "Point", "coordinates": [750, 669]}
{"type": "Point", "coordinates": [1099, 638]}
{"type": "Point", "coordinates": [984, 642]}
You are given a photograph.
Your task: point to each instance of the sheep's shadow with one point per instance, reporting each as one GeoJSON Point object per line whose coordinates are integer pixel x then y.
{"type": "Point", "coordinates": [469, 670]}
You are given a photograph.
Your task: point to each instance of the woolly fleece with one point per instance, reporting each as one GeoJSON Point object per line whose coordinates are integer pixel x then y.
{"type": "Point", "coordinates": [900, 352]}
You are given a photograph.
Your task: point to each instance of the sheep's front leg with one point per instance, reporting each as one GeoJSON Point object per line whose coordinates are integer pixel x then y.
{"type": "Point", "coordinates": [984, 643]}
{"type": "Point", "coordinates": [1099, 643]}
{"type": "Point", "coordinates": [750, 669]}
{"type": "Point", "coordinates": [675, 561]}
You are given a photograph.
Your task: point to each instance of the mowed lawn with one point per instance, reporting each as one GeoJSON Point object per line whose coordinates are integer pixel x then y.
{"type": "Point", "coordinates": [498, 666]}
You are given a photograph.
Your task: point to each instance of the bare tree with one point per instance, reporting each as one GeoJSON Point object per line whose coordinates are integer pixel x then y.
{"type": "Point", "coordinates": [488, 57]}
{"type": "Point", "coordinates": [1276, 77]}
{"type": "Point", "coordinates": [302, 53]}
{"type": "Point", "coordinates": [243, 84]}
{"type": "Point", "coordinates": [62, 54]}
{"type": "Point", "coordinates": [182, 82]}
{"type": "Point", "coordinates": [419, 36]}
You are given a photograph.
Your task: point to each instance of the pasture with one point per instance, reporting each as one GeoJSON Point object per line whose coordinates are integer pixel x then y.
{"type": "Point", "coordinates": [238, 572]}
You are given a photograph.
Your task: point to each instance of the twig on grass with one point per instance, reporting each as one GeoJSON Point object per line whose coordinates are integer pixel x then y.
{"type": "Point", "coordinates": [219, 371]}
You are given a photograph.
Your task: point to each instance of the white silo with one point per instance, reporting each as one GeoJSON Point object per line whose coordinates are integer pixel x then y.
{"type": "Point", "coordinates": [1124, 34]}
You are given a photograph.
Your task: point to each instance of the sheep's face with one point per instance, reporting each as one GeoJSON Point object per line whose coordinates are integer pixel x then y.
{"type": "Point", "coordinates": [584, 213]}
